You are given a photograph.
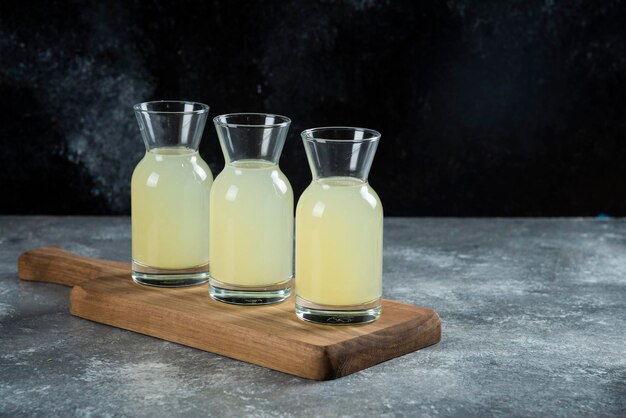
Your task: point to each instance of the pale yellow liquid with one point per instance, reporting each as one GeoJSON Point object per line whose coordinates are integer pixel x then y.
{"type": "Point", "coordinates": [251, 228]}
{"type": "Point", "coordinates": [339, 243]}
{"type": "Point", "coordinates": [170, 209]}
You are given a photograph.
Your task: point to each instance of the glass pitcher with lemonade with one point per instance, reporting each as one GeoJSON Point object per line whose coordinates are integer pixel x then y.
{"type": "Point", "coordinates": [251, 223]}
{"type": "Point", "coordinates": [339, 230]}
{"type": "Point", "coordinates": [170, 191]}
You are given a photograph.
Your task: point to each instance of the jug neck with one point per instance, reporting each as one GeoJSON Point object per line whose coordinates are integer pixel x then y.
{"type": "Point", "coordinates": [251, 136]}
{"type": "Point", "coordinates": [171, 124]}
{"type": "Point", "coordinates": [340, 151]}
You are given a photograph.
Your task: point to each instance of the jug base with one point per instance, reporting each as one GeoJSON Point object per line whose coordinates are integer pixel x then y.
{"type": "Point", "coordinates": [330, 315]}
{"type": "Point", "coordinates": [159, 277]}
{"type": "Point", "coordinates": [170, 279]}
{"type": "Point", "coordinates": [249, 295]}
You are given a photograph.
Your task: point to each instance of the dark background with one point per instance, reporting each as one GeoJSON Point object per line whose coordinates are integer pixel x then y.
{"type": "Point", "coordinates": [487, 108]}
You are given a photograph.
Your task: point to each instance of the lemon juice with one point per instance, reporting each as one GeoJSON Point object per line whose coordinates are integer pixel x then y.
{"type": "Point", "coordinates": [339, 224]}
{"type": "Point", "coordinates": [170, 191]}
{"type": "Point", "coordinates": [251, 227]}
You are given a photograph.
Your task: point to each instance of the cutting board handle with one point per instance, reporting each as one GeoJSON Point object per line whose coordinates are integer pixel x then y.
{"type": "Point", "coordinates": [55, 265]}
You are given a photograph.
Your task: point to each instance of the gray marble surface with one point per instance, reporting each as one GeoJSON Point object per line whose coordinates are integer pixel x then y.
{"type": "Point", "coordinates": [534, 324]}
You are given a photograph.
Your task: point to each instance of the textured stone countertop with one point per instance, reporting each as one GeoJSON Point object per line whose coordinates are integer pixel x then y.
{"type": "Point", "coordinates": [533, 311]}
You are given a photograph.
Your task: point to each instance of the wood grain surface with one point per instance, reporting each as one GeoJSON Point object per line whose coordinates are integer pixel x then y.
{"type": "Point", "coordinates": [270, 336]}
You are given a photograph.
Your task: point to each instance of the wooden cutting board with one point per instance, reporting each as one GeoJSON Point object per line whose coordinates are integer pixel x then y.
{"type": "Point", "coordinates": [270, 336]}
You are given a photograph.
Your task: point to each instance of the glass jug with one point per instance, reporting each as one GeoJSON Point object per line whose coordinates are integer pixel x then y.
{"type": "Point", "coordinates": [339, 230]}
{"type": "Point", "coordinates": [170, 191]}
{"type": "Point", "coordinates": [251, 223]}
